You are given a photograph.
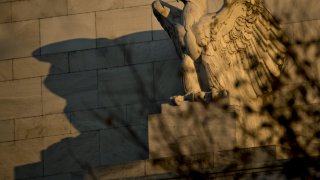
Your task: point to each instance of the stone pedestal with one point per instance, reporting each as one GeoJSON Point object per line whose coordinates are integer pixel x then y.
{"type": "Point", "coordinates": [192, 138]}
{"type": "Point", "coordinates": [191, 128]}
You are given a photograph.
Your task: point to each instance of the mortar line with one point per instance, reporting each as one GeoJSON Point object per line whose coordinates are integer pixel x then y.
{"type": "Point", "coordinates": [11, 13]}
{"type": "Point", "coordinates": [39, 26]}
{"type": "Point", "coordinates": [12, 70]}
{"type": "Point", "coordinates": [67, 3]}
{"type": "Point", "coordinates": [96, 29]}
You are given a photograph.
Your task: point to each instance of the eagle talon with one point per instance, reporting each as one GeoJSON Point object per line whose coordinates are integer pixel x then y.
{"type": "Point", "coordinates": [216, 95]}
{"type": "Point", "coordinates": [177, 100]}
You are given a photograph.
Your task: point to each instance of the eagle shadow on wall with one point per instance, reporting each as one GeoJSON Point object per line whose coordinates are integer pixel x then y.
{"type": "Point", "coordinates": [101, 112]}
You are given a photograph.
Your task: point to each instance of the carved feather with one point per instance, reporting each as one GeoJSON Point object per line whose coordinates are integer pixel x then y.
{"type": "Point", "coordinates": [246, 45]}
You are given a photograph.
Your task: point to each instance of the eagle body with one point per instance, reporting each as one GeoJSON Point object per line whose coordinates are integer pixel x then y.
{"type": "Point", "coordinates": [237, 50]}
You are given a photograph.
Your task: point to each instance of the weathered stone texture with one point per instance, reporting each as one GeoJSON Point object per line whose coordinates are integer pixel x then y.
{"type": "Point", "coordinates": [190, 128]}
{"type": "Point", "coordinates": [6, 130]}
{"type": "Point", "coordinates": [304, 33]}
{"type": "Point", "coordinates": [97, 58]}
{"type": "Point", "coordinates": [21, 39]}
{"type": "Point", "coordinates": [318, 69]}
{"type": "Point", "coordinates": [128, 170]}
{"type": "Point", "coordinates": [125, 85]}
{"type": "Point", "coordinates": [69, 92]}
{"type": "Point", "coordinates": [6, 70]}
{"type": "Point", "coordinates": [307, 30]}
{"type": "Point", "coordinates": [131, 3]}
{"type": "Point", "coordinates": [41, 126]}
{"type": "Point", "coordinates": [40, 66]}
{"type": "Point", "coordinates": [63, 176]}
{"type": "Point", "coordinates": [111, 31]}
{"type": "Point", "coordinates": [20, 98]}
{"type": "Point", "coordinates": [137, 113]}
{"type": "Point", "coordinates": [150, 51]}
{"type": "Point", "coordinates": [71, 154]}
{"type": "Point", "coordinates": [81, 6]}
{"type": "Point", "coordinates": [168, 80]}
{"type": "Point", "coordinates": [21, 153]}
{"type": "Point", "coordinates": [123, 144]}
{"type": "Point", "coordinates": [67, 33]}
{"type": "Point", "coordinates": [34, 9]}
{"type": "Point", "coordinates": [245, 156]}
{"type": "Point", "coordinates": [289, 11]}
{"type": "Point", "coordinates": [98, 119]}
{"type": "Point", "coordinates": [5, 12]}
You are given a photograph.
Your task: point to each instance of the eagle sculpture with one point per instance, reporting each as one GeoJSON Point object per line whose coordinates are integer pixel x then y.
{"type": "Point", "coordinates": [236, 52]}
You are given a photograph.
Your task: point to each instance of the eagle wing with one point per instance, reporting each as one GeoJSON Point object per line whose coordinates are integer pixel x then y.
{"type": "Point", "coordinates": [170, 19]}
{"type": "Point", "coordinates": [243, 39]}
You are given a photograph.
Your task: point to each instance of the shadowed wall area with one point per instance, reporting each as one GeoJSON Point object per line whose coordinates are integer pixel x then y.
{"type": "Point", "coordinates": [78, 79]}
{"type": "Point", "coordinates": [107, 107]}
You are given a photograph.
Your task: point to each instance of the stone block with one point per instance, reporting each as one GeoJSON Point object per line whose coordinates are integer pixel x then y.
{"type": "Point", "coordinates": [82, 6]}
{"type": "Point", "coordinates": [41, 126]}
{"type": "Point", "coordinates": [176, 164]}
{"type": "Point", "coordinates": [293, 11]}
{"type": "Point", "coordinates": [28, 156]}
{"type": "Point", "coordinates": [69, 92]}
{"type": "Point", "coordinates": [288, 30]}
{"type": "Point", "coordinates": [132, 3]}
{"type": "Point", "coordinates": [6, 70]}
{"type": "Point", "coordinates": [158, 168]}
{"type": "Point", "coordinates": [25, 154]}
{"type": "Point", "coordinates": [137, 114]}
{"type": "Point", "coordinates": [20, 98]}
{"type": "Point", "coordinates": [40, 66]}
{"type": "Point", "coordinates": [21, 39]}
{"type": "Point", "coordinates": [111, 31]}
{"type": "Point", "coordinates": [305, 44]}
{"type": "Point", "coordinates": [6, 163]}
{"type": "Point", "coordinates": [125, 85]}
{"type": "Point", "coordinates": [96, 58]}
{"type": "Point", "coordinates": [150, 51]}
{"type": "Point", "coordinates": [98, 119]}
{"type": "Point", "coordinates": [55, 140]}
{"type": "Point", "coordinates": [6, 130]}
{"type": "Point", "coordinates": [307, 58]}
{"type": "Point", "coordinates": [191, 128]}
{"type": "Point", "coordinates": [318, 69]}
{"type": "Point", "coordinates": [5, 12]}
{"type": "Point", "coordinates": [65, 176]}
{"type": "Point", "coordinates": [125, 144]}
{"type": "Point", "coordinates": [71, 154]}
{"type": "Point", "coordinates": [168, 79]}
{"type": "Point", "coordinates": [36, 9]}
{"type": "Point", "coordinates": [306, 31]}
{"type": "Point", "coordinates": [245, 156]}
{"type": "Point", "coordinates": [129, 170]}
{"type": "Point", "coordinates": [78, 33]}
{"type": "Point", "coordinates": [29, 128]}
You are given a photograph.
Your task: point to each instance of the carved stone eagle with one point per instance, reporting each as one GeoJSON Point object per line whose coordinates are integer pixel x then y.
{"type": "Point", "coordinates": [236, 51]}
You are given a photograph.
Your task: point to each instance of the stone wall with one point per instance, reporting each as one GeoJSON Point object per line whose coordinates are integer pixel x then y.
{"type": "Point", "coordinates": [78, 78]}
